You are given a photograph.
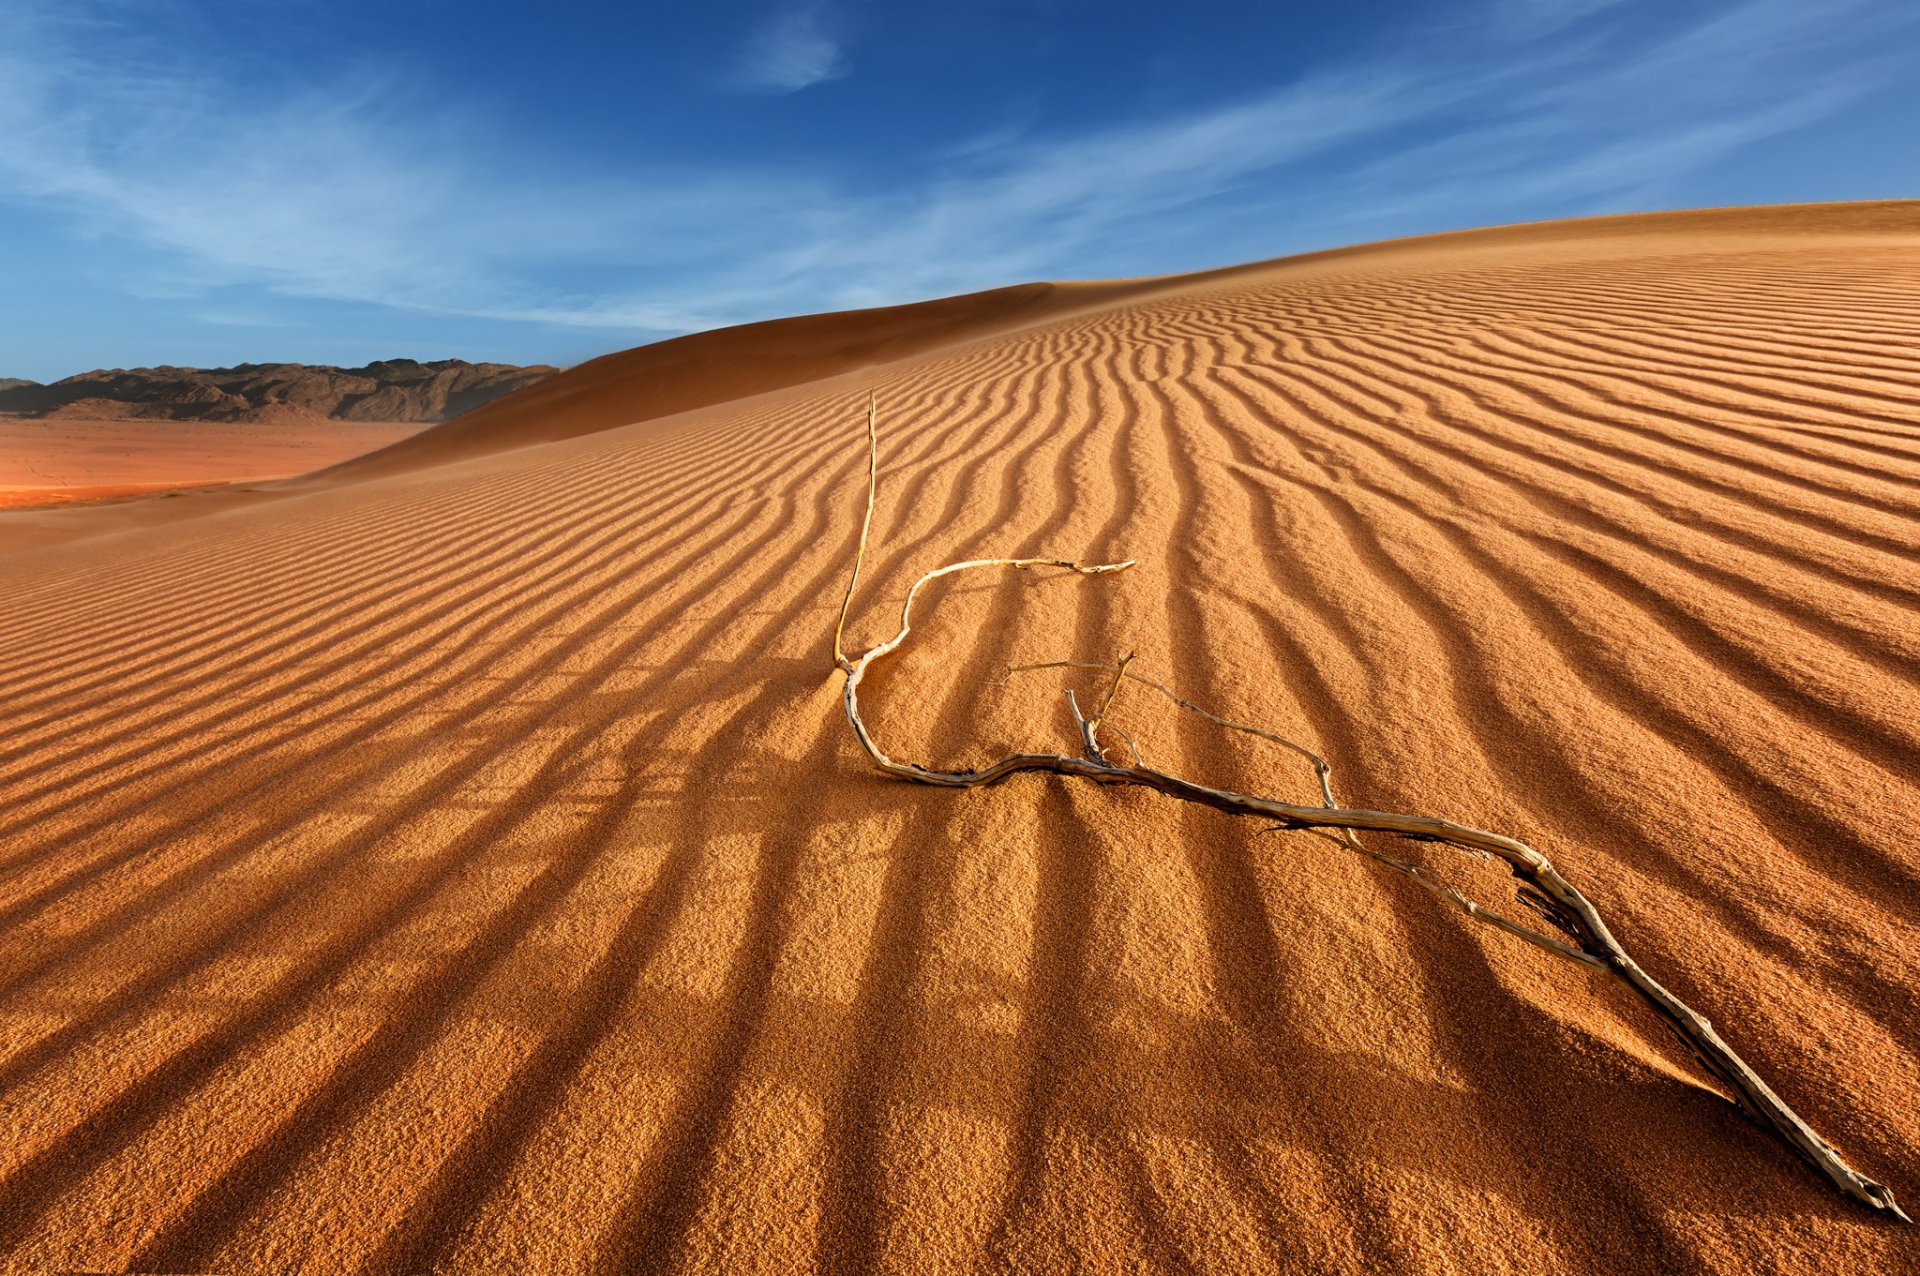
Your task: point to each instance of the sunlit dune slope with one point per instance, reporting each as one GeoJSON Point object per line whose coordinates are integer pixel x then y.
{"type": "Point", "coordinates": [52, 461]}
{"type": "Point", "coordinates": [458, 862]}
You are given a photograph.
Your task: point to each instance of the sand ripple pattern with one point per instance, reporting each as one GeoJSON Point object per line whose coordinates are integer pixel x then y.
{"type": "Point", "coordinates": [466, 868]}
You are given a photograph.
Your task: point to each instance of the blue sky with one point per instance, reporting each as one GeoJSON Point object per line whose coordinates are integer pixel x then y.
{"type": "Point", "coordinates": [212, 181]}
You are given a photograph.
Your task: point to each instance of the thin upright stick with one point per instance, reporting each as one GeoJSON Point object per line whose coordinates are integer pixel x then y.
{"type": "Point", "coordinates": [866, 524]}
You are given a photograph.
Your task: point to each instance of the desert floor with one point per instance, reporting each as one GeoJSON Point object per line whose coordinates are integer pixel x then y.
{"type": "Point", "coordinates": [457, 860]}
{"type": "Point", "coordinates": [56, 461]}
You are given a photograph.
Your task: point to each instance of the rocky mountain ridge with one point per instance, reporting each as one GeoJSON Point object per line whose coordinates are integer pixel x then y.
{"type": "Point", "coordinates": [386, 390]}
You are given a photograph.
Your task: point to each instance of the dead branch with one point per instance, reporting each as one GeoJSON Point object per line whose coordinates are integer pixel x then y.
{"type": "Point", "coordinates": [1587, 939]}
{"type": "Point", "coordinates": [1323, 773]}
{"type": "Point", "coordinates": [866, 525]}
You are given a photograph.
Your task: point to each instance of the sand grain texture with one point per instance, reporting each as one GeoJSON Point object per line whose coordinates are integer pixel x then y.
{"type": "Point", "coordinates": [457, 861]}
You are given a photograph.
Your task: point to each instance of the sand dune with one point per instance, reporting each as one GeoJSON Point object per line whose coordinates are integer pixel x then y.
{"type": "Point", "coordinates": [457, 861]}
{"type": "Point", "coordinates": [65, 458]}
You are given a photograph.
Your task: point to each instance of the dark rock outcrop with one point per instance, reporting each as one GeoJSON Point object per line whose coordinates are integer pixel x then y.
{"type": "Point", "coordinates": [388, 390]}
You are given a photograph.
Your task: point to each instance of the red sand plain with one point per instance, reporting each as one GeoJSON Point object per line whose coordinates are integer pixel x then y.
{"type": "Point", "coordinates": [457, 861]}
{"type": "Point", "coordinates": [60, 460]}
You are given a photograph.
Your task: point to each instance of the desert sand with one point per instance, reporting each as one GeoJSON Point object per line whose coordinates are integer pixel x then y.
{"type": "Point", "coordinates": [60, 459]}
{"type": "Point", "coordinates": [457, 860]}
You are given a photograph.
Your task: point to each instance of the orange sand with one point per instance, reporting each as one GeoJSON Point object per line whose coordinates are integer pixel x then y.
{"type": "Point", "coordinates": [458, 862]}
{"type": "Point", "coordinates": [47, 462]}
{"type": "Point", "coordinates": [34, 497]}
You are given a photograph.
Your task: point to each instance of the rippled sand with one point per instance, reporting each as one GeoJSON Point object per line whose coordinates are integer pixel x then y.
{"type": "Point", "coordinates": [457, 861]}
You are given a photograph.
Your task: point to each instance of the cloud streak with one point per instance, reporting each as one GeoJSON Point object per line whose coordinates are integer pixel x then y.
{"type": "Point", "coordinates": [346, 190]}
{"type": "Point", "coordinates": [791, 51]}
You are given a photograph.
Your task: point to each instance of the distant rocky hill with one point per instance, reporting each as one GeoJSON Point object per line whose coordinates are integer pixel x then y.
{"type": "Point", "coordinates": [389, 390]}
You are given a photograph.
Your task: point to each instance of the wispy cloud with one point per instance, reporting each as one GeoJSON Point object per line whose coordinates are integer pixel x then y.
{"type": "Point", "coordinates": [349, 189]}
{"type": "Point", "coordinates": [1527, 18]}
{"type": "Point", "coordinates": [790, 51]}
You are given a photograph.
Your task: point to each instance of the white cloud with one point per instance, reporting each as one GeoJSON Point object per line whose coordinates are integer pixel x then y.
{"type": "Point", "coordinates": [349, 190]}
{"type": "Point", "coordinates": [791, 51]}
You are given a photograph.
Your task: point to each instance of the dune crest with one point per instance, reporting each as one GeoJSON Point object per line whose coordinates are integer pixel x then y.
{"type": "Point", "coordinates": [707, 368]}
{"type": "Point", "coordinates": [458, 861]}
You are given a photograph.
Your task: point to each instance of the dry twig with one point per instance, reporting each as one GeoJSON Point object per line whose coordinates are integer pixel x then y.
{"type": "Point", "coordinates": [1587, 939]}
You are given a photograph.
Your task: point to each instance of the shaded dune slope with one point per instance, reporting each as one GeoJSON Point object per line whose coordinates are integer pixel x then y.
{"type": "Point", "coordinates": [458, 861]}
